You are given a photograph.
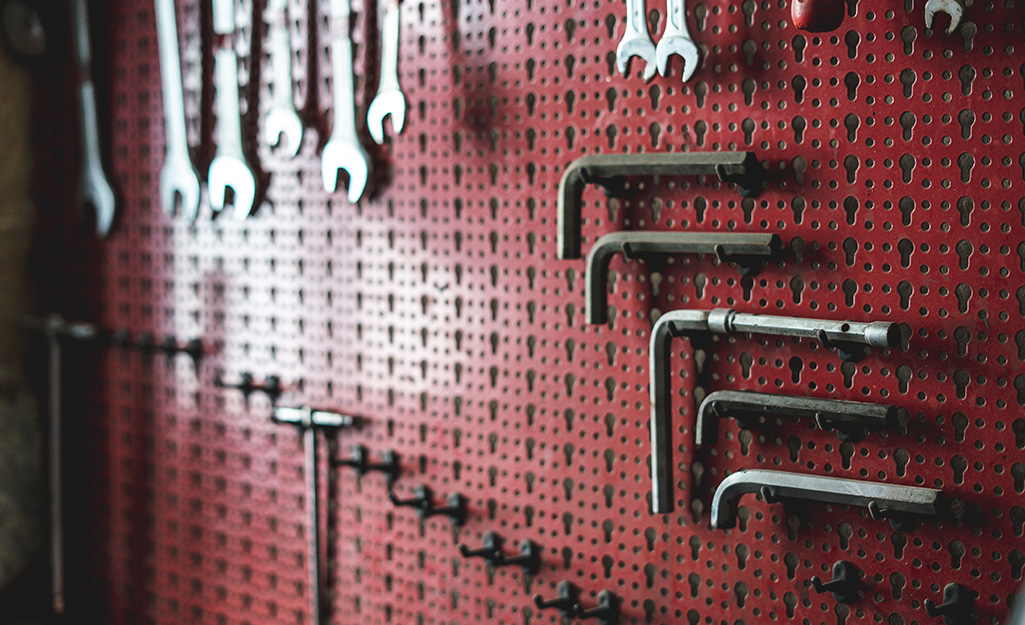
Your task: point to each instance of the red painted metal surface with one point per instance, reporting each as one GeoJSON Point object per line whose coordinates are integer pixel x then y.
{"type": "Point", "coordinates": [437, 310]}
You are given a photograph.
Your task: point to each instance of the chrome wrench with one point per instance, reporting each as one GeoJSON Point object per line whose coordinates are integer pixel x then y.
{"type": "Point", "coordinates": [676, 40]}
{"type": "Point", "coordinates": [93, 185]}
{"type": "Point", "coordinates": [229, 167]}
{"type": "Point", "coordinates": [343, 149]}
{"type": "Point", "coordinates": [178, 178]}
{"type": "Point", "coordinates": [282, 125]}
{"type": "Point", "coordinates": [953, 8]}
{"type": "Point", "coordinates": [636, 40]}
{"type": "Point", "coordinates": [389, 99]}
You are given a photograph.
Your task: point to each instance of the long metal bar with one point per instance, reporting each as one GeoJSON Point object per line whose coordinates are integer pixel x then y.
{"type": "Point", "coordinates": [748, 250]}
{"type": "Point", "coordinates": [742, 168]}
{"type": "Point", "coordinates": [829, 333]}
{"type": "Point", "coordinates": [781, 485]}
{"type": "Point", "coordinates": [847, 417]}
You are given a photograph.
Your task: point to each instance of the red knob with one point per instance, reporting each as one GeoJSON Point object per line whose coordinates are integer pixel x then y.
{"type": "Point", "coordinates": [817, 16]}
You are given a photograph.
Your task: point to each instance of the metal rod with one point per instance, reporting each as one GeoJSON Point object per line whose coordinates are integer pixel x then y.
{"type": "Point", "coordinates": [56, 469]}
{"type": "Point", "coordinates": [877, 333]}
{"type": "Point", "coordinates": [312, 522]}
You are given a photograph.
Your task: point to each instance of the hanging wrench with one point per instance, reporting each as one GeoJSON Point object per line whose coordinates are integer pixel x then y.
{"type": "Point", "coordinates": [282, 126]}
{"type": "Point", "coordinates": [93, 186]}
{"type": "Point", "coordinates": [389, 99]}
{"type": "Point", "coordinates": [953, 8]}
{"type": "Point", "coordinates": [676, 40]}
{"type": "Point", "coordinates": [229, 167]}
{"type": "Point", "coordinates": [636, 40]}
{"type": "Point", "coordinates": [343, 149]}
{"type": "Point", "coordinates": [178, 178]}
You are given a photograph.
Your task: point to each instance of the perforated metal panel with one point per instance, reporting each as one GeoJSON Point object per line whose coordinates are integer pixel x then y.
{"type": "Point", "coordinates": [437, 310]}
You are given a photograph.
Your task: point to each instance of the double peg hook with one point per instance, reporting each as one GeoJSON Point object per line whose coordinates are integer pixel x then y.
{"type": "Point", "coordinates": [567, 601]}
{"type": "Point", "coordinates": [529, 558]}
{"type": "Point", "coordinates": [360, 461]}
{"type": "Point", "coordinates": [423, 501]}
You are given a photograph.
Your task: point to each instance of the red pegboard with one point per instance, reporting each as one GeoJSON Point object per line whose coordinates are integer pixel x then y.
{"type": "Point", "coordinates": [437, 310]}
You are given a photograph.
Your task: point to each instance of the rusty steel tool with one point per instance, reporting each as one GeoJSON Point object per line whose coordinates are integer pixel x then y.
{"type": "Point", "coordinates": [747, 251]}
{"type": "Point", "coordinates": [343, 149]}
{"type": "Point", "coordinates": [282, 125]}
{"type": "Point", "coordinates": [56, 329]}
{"type": "Point", "coordinates": [884, 501]}
{"type": "Point", "coordinates": [93, 185]}
{"type": "Point", "coordinates": [676, 40]}
{"type": "Point", "coordinates": [229, 168]}
{"type": "Point", "coordinates": [817, 16]}
{"type": "Point", "coordinates": [389, 99]}
{"type": "Point", "coordinates": [611, 170]}
{"type": "Point", "coordinates": [309, 421]}
{"type": "Point", "coordinates": [953, 8]}
{"type": "Point", "coordinates": [178, 177]}
{"type": "Point", "coordinates": [847, 337]}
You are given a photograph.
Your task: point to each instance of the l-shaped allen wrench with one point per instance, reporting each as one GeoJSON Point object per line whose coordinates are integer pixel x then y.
{"type": "Point", "coordinates": [849, 338]}
{"type": "Point", "coordinates": [609, 170]}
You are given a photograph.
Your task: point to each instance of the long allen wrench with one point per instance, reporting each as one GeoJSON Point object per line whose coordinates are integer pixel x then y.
{"type": "Point", "coordinates": [229, 167]}
{"type": "Point", "coordinates": [93, 185]}
{"type": "Point", "coordinates": [178, 178]}
{"type": "Point", "coordinates": [282, 126]}
{"type": "Point", "coordinates": [343, 149]}
{"type": "Point", "coordinates": [54, 329]}
{"type": "Point", "coordinates": [309, 421]}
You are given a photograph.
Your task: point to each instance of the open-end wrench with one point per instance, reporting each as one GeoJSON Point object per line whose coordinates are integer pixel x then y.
{"type": "Point", "coordinates": [676, 40]}
{"type": "Point", "coordinates": [636, 40]}
{"type": "Point", "coordinates": [178, 178]}
{"type": "Point", "coordinates": [282, 126]}
{"type": "Point", "coordinates": [953, 8]}
{"type": "Point", "coordinates": [343, 149]}
{"type": "Point", "coordinates": [93, 186]}
{"type": "Point", "coordinates": [389, 99]}
{"type": "Point", "coordinates": [229, 167]}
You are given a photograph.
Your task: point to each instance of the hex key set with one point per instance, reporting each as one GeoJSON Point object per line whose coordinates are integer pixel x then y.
{"type": "Point", "coordinates": [822, 338]}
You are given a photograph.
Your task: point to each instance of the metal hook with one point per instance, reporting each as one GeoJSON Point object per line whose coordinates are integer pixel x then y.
{"type": "Point", "coordinates": [422, 501]}
{"type": "Point", "coordinates": [360, 461]}
{"type": "Point", "coordinates": [957, 605]}
{"type": "Point", "coordinates": [566, 599]}
{"type": "Point", "coordinates": [844, 584]}
{"type": "Point", "coordinates": [607, 610]}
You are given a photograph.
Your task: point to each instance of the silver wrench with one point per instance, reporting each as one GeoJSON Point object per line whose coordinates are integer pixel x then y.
{"type": "Point", "coordinates": [178, 178]}
{"type": "Point", "coordinates": [229, 167]}
{"type": "Point", "coordinates": [93, 185]}
{"type": "Point", "coordinates": [389, 99]}
{"type": "Point", "coordinates": [343, 149]}
{"type": "Point", "coordinates": [282, 126]}
{"type": "Point", "coordinates": [953, 8]}
{"type": "Point", "coordinates": [676, 40]}
{"type": "Point", "coordinates": [636, 40]}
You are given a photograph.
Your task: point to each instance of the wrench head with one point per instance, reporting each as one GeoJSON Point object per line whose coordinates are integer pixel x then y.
{"type": "Point", "coordinates": [631, 46]}
{"type": "Point", "coordinates": [388, 102]}
{"type": "Point", "coordinates": [681, 46]}
{"type": "Point", "coordinates": [95, 191]}
{"type": "Point", "coordinates": [284, 128]}
{"type": "Point", "coordinates": [350, 156]}
{"type": "Point", "coordinates": [952, 8]}
{"type": "Point", "coordinates": [180, 182]}
{"type": "Point", "coordinates": [230, 171]}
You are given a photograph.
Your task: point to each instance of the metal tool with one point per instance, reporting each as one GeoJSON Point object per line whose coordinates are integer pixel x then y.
{"type": "Point", "coordinates": [310, 421]}
{"type": "Point", "coordinates": [566, 599]}
{"type": "Point", "coordinates": [748, 251]}
{"type": "Point", "coordinates": [884, 501]}
{"type": "Point", "coordinates": [529, 558]}
{"type": "Point", "coordinates": [848, 418]}
{"type": "Point", "coordinates": [817, 16]}
{"type": "Point", "coordinates": [606, 612]}
{"type": "Point", "coordinates": [178, 178]}
{"type": "Point", "coordinates": [843, 335]}
{"type": "Point", "coordinates": [54, 329]}
{"type": "Point", "coordinates": [610, 171]}
{"type": "Point", "coordinates": [676, 39]}
{"type": "Point", "coordinates": [844, 584]}
{"type": "Point", "coordinates": [636, 41]}
{"type": "Point", "coordinates": [389, 99]}
{"type": "Point", "coordinates": [957, 606]}
{"type": "Point", "coordinates": [282, 125]}
{"type": "Point", "coordinates": [423, 501]}
{"type": "Point", "coordinates": [343, 149]}
{"type": "Point", "coordinates": [229, 167]}
{"type": "Point", "coordinates": [953, 8]}
{"type": "Point", "coordinates": [360, 461]}
{"type": "Point", "coordinates": [93, 185]}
